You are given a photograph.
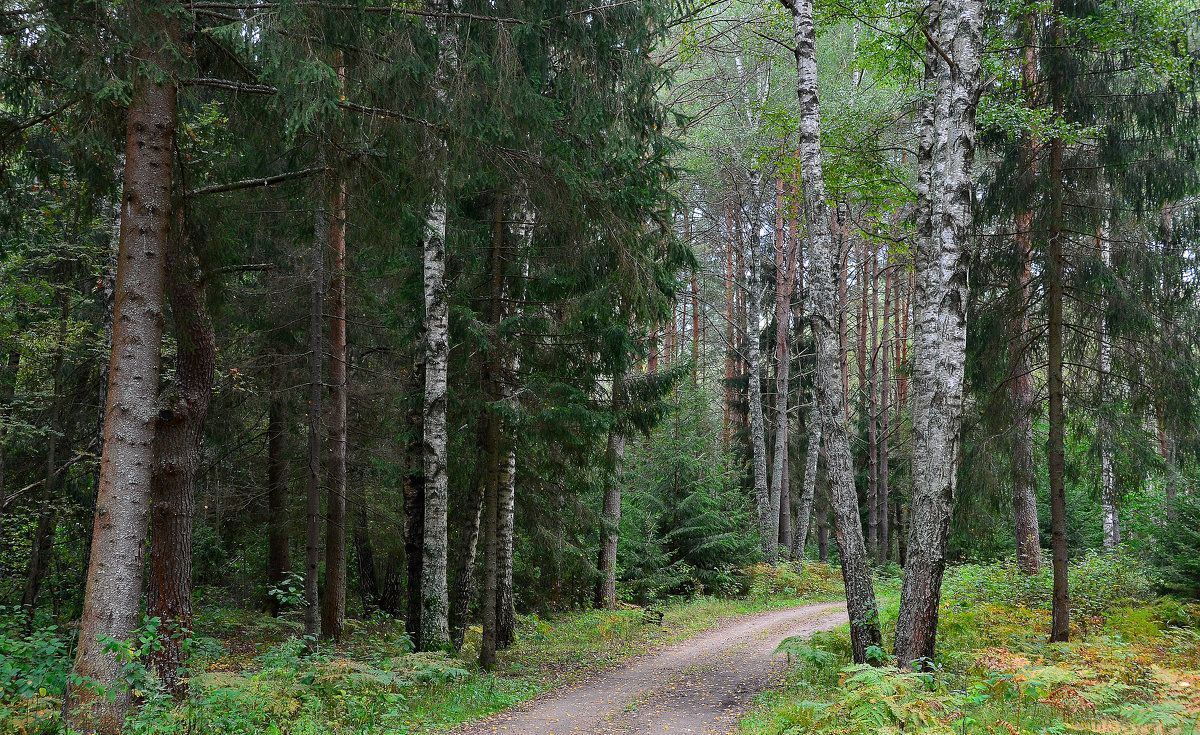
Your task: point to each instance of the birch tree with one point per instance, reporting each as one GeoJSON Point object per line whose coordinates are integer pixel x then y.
{"type": "Point", "coordinates": [943, 247]}
{"type": "Point", "coordinates": [830, 396]}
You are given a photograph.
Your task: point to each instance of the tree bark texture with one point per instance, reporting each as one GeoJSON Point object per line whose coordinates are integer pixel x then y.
{"type": "Point", "coordinates": [316, 410]}
{"type": "Point", "coordinates": [112, 593]}
{"type": "Point", "coordinates": [831, 400]}
{"type": "Point", "coordinates": [1060, 624]}
{"type": "Point", "coordinates": [177, 462]}
{"type": "Point", "coordinates": [333, 615]}
{"type": "Point", "coordinates": [785, 280]}
{"type": "Point", "coordinates": [1020, 383]}
{"type": "Point", "coordinates": [940, 313]}
{"type": "Point", "coordinates": [610, 523]}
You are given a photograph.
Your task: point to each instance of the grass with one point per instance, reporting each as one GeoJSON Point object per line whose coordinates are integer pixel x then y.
{"type": "Point", "coordinates": [252, 675]}
{"type": "Point", "coordinates": [1131, 668]}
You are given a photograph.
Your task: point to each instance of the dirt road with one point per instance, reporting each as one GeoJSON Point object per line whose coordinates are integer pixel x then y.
{"type": "Point", "coordinates": [701, 686]}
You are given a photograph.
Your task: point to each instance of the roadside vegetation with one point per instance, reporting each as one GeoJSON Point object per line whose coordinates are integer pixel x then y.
{"type": "Point", "coordinates": [250, 673]}
{"type": "Point", "coordinates": [1132, 666]}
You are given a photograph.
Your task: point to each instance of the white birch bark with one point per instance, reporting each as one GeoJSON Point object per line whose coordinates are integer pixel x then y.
{"type": "Point", "coordinates": [831, 398]}
{"type": "Point", "coordinates": [435, 602]}
{"type": "Point", "coordinates": [939, 345]}
{"type": "Point", "coordinates": [435, 597]}
{"type": "Point", "coordinates": [1108, 486]}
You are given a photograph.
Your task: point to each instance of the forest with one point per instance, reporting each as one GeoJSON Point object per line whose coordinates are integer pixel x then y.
{"type": "Point", "coordinates": [599, 367]}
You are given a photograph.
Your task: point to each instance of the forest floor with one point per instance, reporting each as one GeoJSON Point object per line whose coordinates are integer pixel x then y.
{"type": "Point", "coordinates": [251, 674]}
{"type": "Point", "coordinates": [1132, 666]}
{"type": "Point", "coordinates": [700, 686]}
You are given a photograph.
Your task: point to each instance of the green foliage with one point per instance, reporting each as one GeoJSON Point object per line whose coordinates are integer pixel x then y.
{"type": "Point", "coordinates": [812, 580]}
{"type": "Point", "coordinates": [1178, 538]}
{"type": "Point", "coordinates": [686, 525]}
{"type": "Point", "coordinates": [1100, 582]}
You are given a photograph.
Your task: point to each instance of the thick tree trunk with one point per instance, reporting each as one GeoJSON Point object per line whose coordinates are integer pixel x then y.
{"type": "Point", "coordinates": [831, 400]}
{"type": "Point", "coordinates": [1060, 625]}
{"type": "Point", "coordinates": [435, 630]}
{"type": "Point", "coordinates": [610, 523]}
{"type": "Point", "coordinates": [316, 410]}
{"type": "Point", "coordinates": [940, 312]}
{"type": "Point", "coordinates": [112, 594]}
{"type": "Point", "coordinates": [279, 561]}
{"type": "Point", "coordinates": [177, 462]}
{"type": "Point", "coordinates": [333, 615]}
{"type": "Point", "coordinates": [1020, 382]}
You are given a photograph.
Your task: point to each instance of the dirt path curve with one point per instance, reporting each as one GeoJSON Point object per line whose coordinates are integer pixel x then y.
{"type": "Point", "coordinates": [701, 686]}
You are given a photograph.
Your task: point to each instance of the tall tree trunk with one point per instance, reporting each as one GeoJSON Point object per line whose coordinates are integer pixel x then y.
{"type": "Point", "coordinates": [831, 400]}
{"type": "Point", "coordinates": [730, 331]}
{"type": "Point", "coordinates": [883, 464]}
{"type": "Point", "coordinates": [610, 523]}
{"type": "Point", "coordinates": [1108, 485]}
{"type": "Point", "coordinates": [435, 597]}
{"type": "Point", "coordinates": [871, 284]}
{"type": "Point", "coordinates": [333, 615]}
{"type": "Point", "coordinates": [177, 462]}
{"type": "Point", "coordinates": [768, 510]}
{"type": "Point", "coordinates": [1020, 382]}
{"type": "Point", "coordinates": [8, 387]}
{"type": "Point", "coordinates": [279, 561]}
{"type": "Point", "coordinates": [316, 411]}
{"type": "Point", "coordinates": [785, 279]}
{"type": "Point", "coordinates": [496, 456]}
{"type": "Point", "coordinates": [506, 620]}
{"type": "Point", "coordinates": [462, 591]}
{"type": "Point", "coordinates": [1060, 625]}
{"type": "Point", "coordinates": [435, 632]}
{"type": "Point", "coordinates": [943, 249]}
{"type": "Point", "coordinates": [112, 594]}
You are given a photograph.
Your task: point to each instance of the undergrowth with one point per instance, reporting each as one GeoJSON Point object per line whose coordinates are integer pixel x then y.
{"type": "Point", "coordinates": [1132, 666]}
{"type": "Point", "coordinates": [250, 673]}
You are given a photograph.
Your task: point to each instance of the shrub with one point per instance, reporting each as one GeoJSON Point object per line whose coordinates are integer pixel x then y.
{"type": "Point", "coordinates": [814, 579]}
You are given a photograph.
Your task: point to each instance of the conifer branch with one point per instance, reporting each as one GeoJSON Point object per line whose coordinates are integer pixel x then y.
{"type": "Point", "coordinates": [258, 183]}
